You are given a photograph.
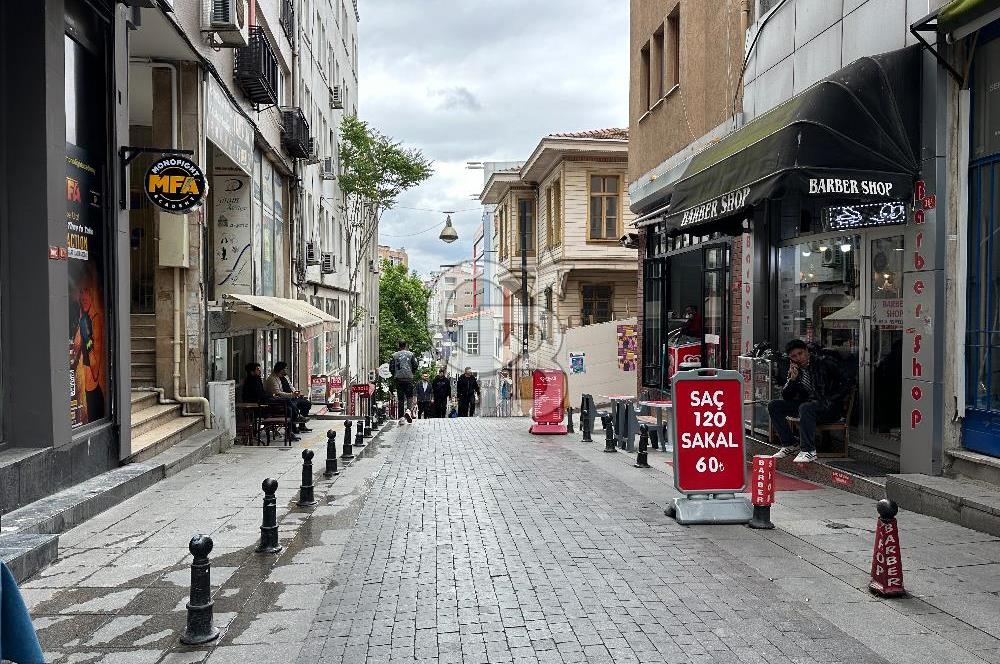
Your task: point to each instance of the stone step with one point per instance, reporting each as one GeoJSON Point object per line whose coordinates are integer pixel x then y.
{"type": "Point", "coordinates": [162, 437]}
{"type": "Point", "coordinates": [154, 416]}
{"type": "Point", "coordinates": [968, 503]}
{"type": "Point", "coordinates": [144, 343]}
{"type": "Point", "coordinates": [29, 535]}
{"type": "Point", "coordinates": [142, 399]}
{"type": "Point", "coordinates": [139, 382]}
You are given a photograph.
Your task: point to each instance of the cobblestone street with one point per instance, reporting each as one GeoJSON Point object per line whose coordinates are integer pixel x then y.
{"type": "Point", "coordinates": [470, 541]}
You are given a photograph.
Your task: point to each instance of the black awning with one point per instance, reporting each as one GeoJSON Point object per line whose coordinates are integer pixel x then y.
{"type": "Point", "coordinates": [850, 136]}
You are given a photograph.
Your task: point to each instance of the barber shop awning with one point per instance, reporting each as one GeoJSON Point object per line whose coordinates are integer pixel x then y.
{"type": "Point", "coordinates": [260, 311]}
{"type": "Point", "coordinates": [849, 137]}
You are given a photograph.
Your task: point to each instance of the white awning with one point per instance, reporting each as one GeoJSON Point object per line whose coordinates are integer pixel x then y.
{"type": "Point", "coordinates": [263, 311]}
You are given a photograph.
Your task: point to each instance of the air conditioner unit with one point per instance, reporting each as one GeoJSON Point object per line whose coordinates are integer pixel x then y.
{"type": "Point", "coordinates": [329, 266]}
{"type": "Point", "coordinates": [329, 170]}
{"type": "Point", "coordinates": [336, 97]}
{"type": "Point", "coordinates": [312, 257]}
{"type": "Point", "coordinates": [228, 20]}
{"type": "Point", "coordinates": [313, 157]}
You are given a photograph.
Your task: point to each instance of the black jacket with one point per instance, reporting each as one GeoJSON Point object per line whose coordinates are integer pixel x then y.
{"type": "Point", "coordinates": [424, 396]}
{"type": "Point", "coordinates": [467, 386]}
{"type": "Point", "coordinates": [831, 386]}
{"type": "Point", "coordinates": [253, 390]}
{"type": "Point", "coordinates": [441, 388]}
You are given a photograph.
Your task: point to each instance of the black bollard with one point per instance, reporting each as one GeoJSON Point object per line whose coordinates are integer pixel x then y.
{"type": "Point", "coordinates": [269, 528]}
{"type": "Point", "coordinates": [331, 454]}
{"type": "Point", "coordinates": [199, 607]}
{"type": "Point", "coordinates": [641, 457]}
{"type": "Point", "coordinates": [569, 420]}
{"type": "Point", "coordinates": [654, 437]}
{"type": "Point", "coordinates": [585, 425]}
{"type": "Point", "coordinates": [307, 497]}
{"type": "Point", "coordinates": [368, 426]}
{"type": "Point", "coordinates": [609, 433]}
{"type": "Point", "coordinates": [359, 434]}
{"type": "Point", "coordinates": [348, 452]}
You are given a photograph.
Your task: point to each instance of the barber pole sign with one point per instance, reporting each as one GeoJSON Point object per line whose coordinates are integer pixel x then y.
{"type": "Point", "coordinates": [887, 561]}
{"type": "Point", "coordinates": [762, 491]}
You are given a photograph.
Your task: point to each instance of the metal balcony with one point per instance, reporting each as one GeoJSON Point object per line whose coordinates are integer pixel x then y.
{"type": "Point", "coordinates": [287, 20]}
{"type": "Point", "coordinates": [295, 133]}
{"type": "Point", "coordinates": [257, 69]}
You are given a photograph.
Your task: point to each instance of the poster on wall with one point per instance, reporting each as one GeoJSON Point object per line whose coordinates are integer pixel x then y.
{"type": "Point", "coordinates": [628, 347]}
{"type": "Point", "coordinates": [577, 363]}
{"type": "Point", "coordinates": [88, 349]}
{"type": "Point", "coordinates": [231, 223]}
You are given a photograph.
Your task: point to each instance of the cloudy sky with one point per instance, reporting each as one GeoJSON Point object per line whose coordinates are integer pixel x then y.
{"type": "Point", "coordinates": [483, 80]}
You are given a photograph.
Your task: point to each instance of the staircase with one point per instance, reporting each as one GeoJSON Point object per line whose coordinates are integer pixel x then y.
{"type": "Point", "coordinates": [156, 426]}
{"type": "Point", "coordinates": [143, 350]}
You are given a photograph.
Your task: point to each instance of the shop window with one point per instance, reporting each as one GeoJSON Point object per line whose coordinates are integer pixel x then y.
{"type": "Point", "coordinates": [605, 201]}
{"type": "Point", "coordinates": [597, 303]}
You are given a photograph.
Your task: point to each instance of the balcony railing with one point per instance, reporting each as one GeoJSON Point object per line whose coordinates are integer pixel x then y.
{"type": "Point", "coordinates": [295, 133]}
{"type": "Point", "coordinates": [287, 20]}
{"type": "Point", "coordinates": [257, 69]}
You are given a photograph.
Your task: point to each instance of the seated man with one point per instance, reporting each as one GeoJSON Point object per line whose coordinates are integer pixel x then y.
{"type": "Point", "coordinates": [814, 393]}
{"type": "Point", "coordinates": [254, 392]}
{"type": "Point", "coordinates": [279, 387]}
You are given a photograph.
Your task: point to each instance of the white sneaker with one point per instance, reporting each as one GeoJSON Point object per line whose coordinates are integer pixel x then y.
{"type": "Point", "coordinates": [401, 420]}
{"type": "Point", "coordinates": [409, 416]}
{"type": "Point", "coordinates": [784, 452]}
{"type": "Point", "coordinates": [805, 457]}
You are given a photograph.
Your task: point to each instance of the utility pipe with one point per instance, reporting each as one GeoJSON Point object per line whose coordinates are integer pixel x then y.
{"type": "Point", "coordinates": [178, 343]}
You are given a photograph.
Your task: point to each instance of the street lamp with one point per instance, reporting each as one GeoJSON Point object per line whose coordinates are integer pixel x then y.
{"type": "Point", "coordinates": [448, 233]}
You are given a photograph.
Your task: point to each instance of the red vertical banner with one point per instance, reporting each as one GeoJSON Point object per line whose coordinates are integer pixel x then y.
{"type": "Point", "coordinates": [762, 491]}
{"type": "Point", "coordinates": [887, 561]}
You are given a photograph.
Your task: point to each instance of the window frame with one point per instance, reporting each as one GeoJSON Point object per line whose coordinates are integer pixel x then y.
{"type": "Point", "coordinates": [583, 302]}
{"type": "Point", "coordinates": [469, 345]}
{"type": "Point", "coordinates": [532, 239]}
{"type": "Point", "coordinates": [604, 221]}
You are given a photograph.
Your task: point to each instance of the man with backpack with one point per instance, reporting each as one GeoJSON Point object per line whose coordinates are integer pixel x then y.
{"type": "Point", "coordinates": [403, 367]}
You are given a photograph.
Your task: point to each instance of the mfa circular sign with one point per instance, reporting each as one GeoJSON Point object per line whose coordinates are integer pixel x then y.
{"type": "Point", "coordinates": [174, 184]}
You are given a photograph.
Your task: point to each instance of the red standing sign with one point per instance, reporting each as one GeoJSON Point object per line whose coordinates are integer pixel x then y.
{"type": "Point", "coordinates": [548, 394]}
{"type": "Point", "coordinates": [708, 425]}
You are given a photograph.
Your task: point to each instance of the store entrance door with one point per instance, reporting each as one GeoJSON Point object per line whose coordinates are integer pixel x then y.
{"type": "Point", "coordinates": [881, 356]}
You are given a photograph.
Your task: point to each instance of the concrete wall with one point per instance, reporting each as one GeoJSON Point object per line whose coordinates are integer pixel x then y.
{"type": "Point", "coordinates": [600, 343]}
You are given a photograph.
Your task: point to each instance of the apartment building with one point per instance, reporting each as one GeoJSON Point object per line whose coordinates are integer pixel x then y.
{"type": "Point", "coordinates": [393, 256]}
{"type": "Point", "coordinates": [559, 220]}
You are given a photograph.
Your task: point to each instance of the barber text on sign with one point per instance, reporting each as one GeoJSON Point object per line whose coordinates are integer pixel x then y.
{"type": "Point", "coordinates": [708, 424]}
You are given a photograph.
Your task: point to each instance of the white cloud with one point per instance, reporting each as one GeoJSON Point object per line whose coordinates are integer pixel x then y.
{"type": "Point", "coordinates": [473, 80]}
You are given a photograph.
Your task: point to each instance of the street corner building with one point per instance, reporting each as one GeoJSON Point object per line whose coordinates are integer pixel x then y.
{"type": "Point", "coordinates": [840, 190]}
{"type": "Point", "coordinates": [168, 214]}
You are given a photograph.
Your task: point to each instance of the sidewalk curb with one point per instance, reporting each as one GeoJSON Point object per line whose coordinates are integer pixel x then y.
{"type": "Point", "coordinates": [29, 535]}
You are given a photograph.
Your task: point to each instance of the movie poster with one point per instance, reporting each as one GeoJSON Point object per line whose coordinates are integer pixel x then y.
{"type": "Point", "coordinates": [577, 363]}
{"type": "Point", "coordinates": [628, 347]}
{"type": "Point", "coordinates": [88, 315]}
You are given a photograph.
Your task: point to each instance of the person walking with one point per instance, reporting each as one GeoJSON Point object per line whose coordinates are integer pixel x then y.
{"type": "Point", "coordinates": [814, 393]}
{"type": "Point", "coordinates": [403, 367]}
{"type": "Point", "coordinates": [441, 391]}
{"type": "Point", "coordinates": [425, 397]}
{"type": "Point", "coordinates": [468, 393]}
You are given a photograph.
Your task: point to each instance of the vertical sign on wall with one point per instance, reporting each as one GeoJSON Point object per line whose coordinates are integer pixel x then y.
{"type": "Point", "coordinates": [231, 222]}
{"type": "Point", "coordinates": [746, 283]}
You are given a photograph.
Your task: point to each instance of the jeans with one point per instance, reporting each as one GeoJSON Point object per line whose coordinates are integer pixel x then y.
{"type": "Point", "coordinates": [404, 396]}
{"type": "Point", "coordinates": [440, 408]}
{"type": "Point", "coordinates": [423, 410]}
{"type": "Point", "coordinates": [302, 405]}
{"type": "Point", "coordinates": [810, 413]}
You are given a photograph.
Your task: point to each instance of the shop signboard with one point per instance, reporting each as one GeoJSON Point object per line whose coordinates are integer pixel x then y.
{"type": "Point", "coordinates": [231, 222]}
{"type": "Point", "coordinates": [174, 184]}
{"type": "Point", "coordinates": [864, 215]}
{"type": "Point", "coordinates": [336, 383]}
{"type": "Point", "coordinates": [227, 128]}
{"type": "Point", "coordinates": [708, 432]}
{"type": "Point", "coordinates": [548, 396]}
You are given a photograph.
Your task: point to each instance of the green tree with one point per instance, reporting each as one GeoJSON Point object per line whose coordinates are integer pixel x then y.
{"type": "Point", "coordinates": [402, 311]}
{"type": "Point", "coordinates": [374, 171]}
